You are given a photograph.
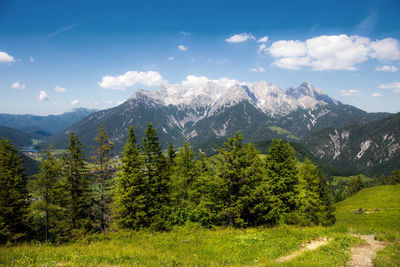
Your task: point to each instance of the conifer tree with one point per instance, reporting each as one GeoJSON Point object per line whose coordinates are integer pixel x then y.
{"type": "Point", "coordinates": [394, 178]}
{"type": "Point", "coordinates": [132, 194]}
{"type": "Point", "coordinates": [155, 172]}
{"type": "Point", "coordinates": [239, 172]}
{"type": "Point", "coordinates": [47, 189]}
{"type": "Point", "coordinates": [327, 216]}
{"type": "Point", "coordinates": [282, 181]}
{"type": "Point", "coordinates": [355, 185]}
{"type": "Point", "coordinates": [14, 198]}
{"type": "Point", "coordinates": [310, 204]}
{"type": "Point", "coordinates": [77, 184]}
{"type": "Point", "coordinates": [183, 180]}
{"type": "Point", "coordinates": [103, 177]}
{"type": "Point", "coordinates": [171, 154]}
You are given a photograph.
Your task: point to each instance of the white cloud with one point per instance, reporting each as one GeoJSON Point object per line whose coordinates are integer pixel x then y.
{"type": "Point", "coordinates": [119, 102]}
{"type": "Point", "coordinates": [200, 81]}
{"type": "Point", "coordinates": [386, 68]}
{"type": "Point", "coordinates": [261, 47]}
{"type": "Point", "coordinates": [386, 49]}
{"type": "Point", "coordinates": [18, 86]}
{"type": "Point", "coordinates": [31, 59]}
{"type": "Point", "coordinates": [376, 94]}
{"type": "Point", "coordinates": [74, 102]}
{"type": "Point", "coordinates": [43, 96]}
{"type": "Point", "coordinates": [6, 58]}
{"type": "Point", "coordinates": [170, 58]}
{"type": "Point", "coordinates": [350, 92]}
{"type": "Point", "coordinates": [239, 38]}
{"type": "Point", "coordinates": [129, 78]}
{"type": "Point", "coordinates": [395, 86]}
{"type": "Point", "coordinates": [60, 89]}
{"type": "Point", "coordinates": [332, 52]}
{"type": "Point", "coordinates": [182, 48]}
{"type": "Point", "coordinates": [263, 39]}
{"type": "Point", "coordinates": [259, 69]}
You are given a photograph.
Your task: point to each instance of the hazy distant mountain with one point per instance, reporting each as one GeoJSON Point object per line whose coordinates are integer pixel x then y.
{"type": "Point", "coordinates": [198, 114]}
{"type": "Point", "coordinates": [373, 148]}
{"type": "Point", "coordinates": [50, 124]}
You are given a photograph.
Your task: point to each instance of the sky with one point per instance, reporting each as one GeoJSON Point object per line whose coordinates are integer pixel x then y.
{"type": "Point", "coordinates": [59, 55]}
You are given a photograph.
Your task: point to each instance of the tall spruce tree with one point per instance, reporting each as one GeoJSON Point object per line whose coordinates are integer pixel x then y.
{"type": "Point", "coordinates": [184, 193]}
{"type": "Point", "coordinates": [282, 181]}
{"type": "Point", "coordinates": [239, 173]}
{"type": "Point", "coordinates": [155, 172]}
{"type": "Point", "coordinates": [47, 191]}
{"type": "Point", "coordinates": [327, 216]}
{"type": "Point", "coordinates": [103, 176]}
{"type": "Point", "coordinates": [132, 192]}
{"type": "Point", "coordinates": [14, 197]}
{"type": "Point", "coordinates": [77, 185]}
{"type": "Point", "coordinates": [310, 205]}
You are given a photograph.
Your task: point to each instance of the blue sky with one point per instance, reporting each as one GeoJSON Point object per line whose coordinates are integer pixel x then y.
{"type": "Point", "coordinates": [57, 55]}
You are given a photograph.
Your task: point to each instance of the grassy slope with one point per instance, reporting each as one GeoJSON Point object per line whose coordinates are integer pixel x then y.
{"type": "Point", "coordinates": [384, 223]}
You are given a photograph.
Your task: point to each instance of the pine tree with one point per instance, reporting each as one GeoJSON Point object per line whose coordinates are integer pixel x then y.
{"type": "Point", "coordinates": [14, 198]}
{"type": "Point", "coordinates": [282, 181]}
{"type": "Point", "coordinates": [171, 154]}
{"type": "Point", "coordinates": [183, 180]}
{"type": "Point", "coordinates": [355, 185]}
{"type": "Point", "coordinates": [132, 195]}
{"type": "Point", "coordinates": [394, 178]}
{"type": "Point", "coordinates": [156, 173]}
{"type": "Point", "coordinates": [310, 204]}
{"type": "Point", "coordinates": [239, 172]}
{"type": "Point", "coordinates": [77, 185]}
{"type": "Point", "coordinates": [103, 178]}
{"type": "Point", "coordinates": [47, 192]}
{"type": "Point", "coordinates": [327, 216]}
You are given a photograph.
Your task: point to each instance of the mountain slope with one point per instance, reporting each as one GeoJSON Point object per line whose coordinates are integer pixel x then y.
{"type": "Point", "coordinates": [373, 147]}
{"type": "Point", "coordinates": [51, 123]}
{"type": "Point", "coordinates": [18, 137]}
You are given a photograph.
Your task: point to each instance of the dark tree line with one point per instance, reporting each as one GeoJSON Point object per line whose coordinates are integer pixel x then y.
{"type": "Point", "coordinates": [154, 189]}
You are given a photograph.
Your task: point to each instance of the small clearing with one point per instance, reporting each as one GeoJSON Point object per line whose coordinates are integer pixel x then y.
{"type": "Point", "coordinates": [311, 245]}
{"type": "Point", "coordinates": [363, 254]}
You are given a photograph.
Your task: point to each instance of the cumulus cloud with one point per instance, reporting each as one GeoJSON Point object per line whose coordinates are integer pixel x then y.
{"type": "Point", "coordinates": [239, 38]}
{"type": "Point", "coordinates": [259, 69]}
{"type": "Point", "coordinates": [60, 89]}
{"type": "Point", "coordinates": [386, 68]}
{"type": "Point", "coordinates": [31, 59]}
{"type": "Point", "coordinates": [395, 86]}
{"type": "Point", "coordinates": [74, 102]}
{"type": "Point", "coordinates": [332, 52]}
{"type": "Point", "coordinates": [18, 86]}
{"type": "Point", "coordinates": [200, 81]}
{"type": "Point", "coordinates": [350, 92]}
{"type": "Point", "coordinates": [6, 58]}
{"type": "Point", "coordinates": [182, 48]}
{"type": "Point", "coordinates": [170, 58]}
{"type": "Point", "coordinates": [129, 78]}
{"type": "Point", "coordinates": [376, 94]}
{"type": "Point", "coordinates": [263, 39]}
{"type": "Point", "coordinates": [43, 96]}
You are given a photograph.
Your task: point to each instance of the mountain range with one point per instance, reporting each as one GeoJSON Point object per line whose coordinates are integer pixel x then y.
{"type": "Point", "coordinates": [215, 111]}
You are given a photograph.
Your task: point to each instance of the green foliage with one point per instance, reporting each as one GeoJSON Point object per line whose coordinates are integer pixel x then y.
{"type": "Point", "coordinates": [394, 178]}
{"type": "Point", "coordinates": [77, 187]}
{"type": "Point", "coordinates": [282, 182]}
{"type": "Point", "coordinates": [131, 194]}
{"type": "Point", "coordinates": [239, 171]}
{"type": "Point", "coordinates": [103, 177]}
{"type": "Point", "coordinates": [47, 210]}
{"type": "Point", "coordinates": [14, 197]}
{"type": "Point", "coordinates": [355, 185]}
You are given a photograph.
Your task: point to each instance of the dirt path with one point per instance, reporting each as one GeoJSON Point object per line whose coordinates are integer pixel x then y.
{"type": "Point", "coordinates": [314, 244]}
{"type": "Point", "coordinates": [364, 254]}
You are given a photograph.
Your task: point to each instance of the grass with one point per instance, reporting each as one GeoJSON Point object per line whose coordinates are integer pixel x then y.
{"type": "Point", "coordinates": [282, 131]}
{"type": "Point", "coordinates": [195, 246]}
{"type": "Point", "coordinates": [183, 246]}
